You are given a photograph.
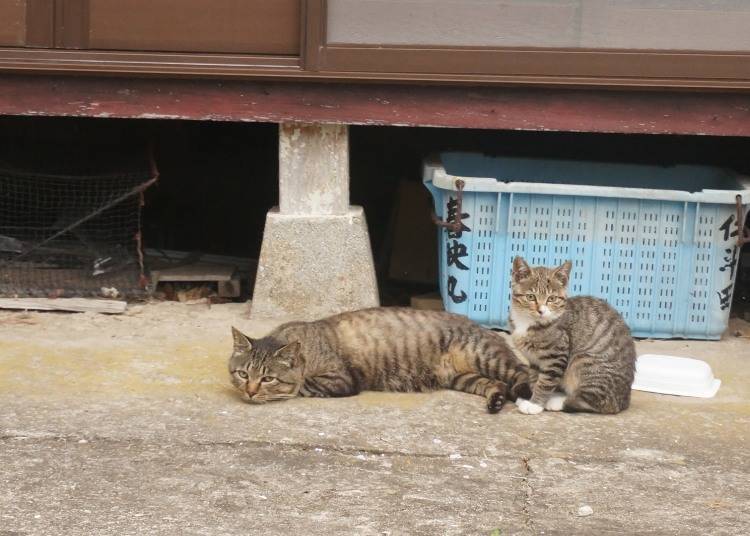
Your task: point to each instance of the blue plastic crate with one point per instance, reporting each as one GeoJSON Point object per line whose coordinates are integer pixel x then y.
{"type": "Point", "coordinates": [658, 243]}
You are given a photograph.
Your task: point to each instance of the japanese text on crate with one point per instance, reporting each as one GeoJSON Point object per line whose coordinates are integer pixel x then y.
{"type": "Point", "coordinates": [456, 250]}
{"type": "Point", "coordinates": [730, 262]}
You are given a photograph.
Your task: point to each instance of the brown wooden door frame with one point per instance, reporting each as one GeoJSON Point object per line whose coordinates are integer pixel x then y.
{"type": "Point", "coordinates": [320, 60]}
{"type": "Point", "coordinates": [58, 42]}
{"type": "Point", "coordinates": [529, 65]}
{"type": "Point", "coordinates": [313, 30]}
{"type": "Point", "coordinates": [544, 66]}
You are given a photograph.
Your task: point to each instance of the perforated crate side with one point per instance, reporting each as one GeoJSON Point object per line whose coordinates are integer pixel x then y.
{"type": "Point", "coordinates": [666, 266]}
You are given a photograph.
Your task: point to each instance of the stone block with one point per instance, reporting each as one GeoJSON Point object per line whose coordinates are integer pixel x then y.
{"type": "Point", "coordinates": [314, 266]}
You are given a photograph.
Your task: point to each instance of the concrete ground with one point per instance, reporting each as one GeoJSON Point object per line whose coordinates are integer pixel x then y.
{"type": "Point", "coordinates": [127, 425]}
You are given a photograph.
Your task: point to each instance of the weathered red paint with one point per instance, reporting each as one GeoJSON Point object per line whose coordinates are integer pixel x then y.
{"type": "Point", "coordinates": [439, 106]}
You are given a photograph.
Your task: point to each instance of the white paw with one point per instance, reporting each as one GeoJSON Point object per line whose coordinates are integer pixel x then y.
{"type": "Point", "coordinates": [528, 407]}
{"type": "Point", "coordinates": [555, 403]}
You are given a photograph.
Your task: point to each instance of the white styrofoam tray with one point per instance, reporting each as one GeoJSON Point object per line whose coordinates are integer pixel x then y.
{"type": "Point", "coordinates": [671, 375]}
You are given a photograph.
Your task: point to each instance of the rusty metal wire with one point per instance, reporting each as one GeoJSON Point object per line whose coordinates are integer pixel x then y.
{"type": "Point", "coordinates": [71, 234]}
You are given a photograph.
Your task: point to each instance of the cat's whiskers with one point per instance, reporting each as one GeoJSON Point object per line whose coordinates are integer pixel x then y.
{"type": "Point", "coordinates": [279, 396]}
{"type": "Point", "coordinates": [270, 397]}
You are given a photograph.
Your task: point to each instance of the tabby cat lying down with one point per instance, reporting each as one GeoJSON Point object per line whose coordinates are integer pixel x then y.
{"type": "Point", "coordinates": [380, 349]}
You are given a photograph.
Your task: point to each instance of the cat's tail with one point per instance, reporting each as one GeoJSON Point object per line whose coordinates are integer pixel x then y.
{"type": "Point", "coordinates": [519, 384]}
{"type": "Point", "coordinates": [501, 363]}
{"type": "Point", "coordinates": [586, 401]}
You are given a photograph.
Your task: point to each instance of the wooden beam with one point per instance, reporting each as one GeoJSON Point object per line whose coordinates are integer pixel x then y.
{"type": "Point", "coordinates": [200, 271]}
{"type": "Point", "coordinates": [75, 305]}
{"type": "Point", "coordinates": [716, 114]}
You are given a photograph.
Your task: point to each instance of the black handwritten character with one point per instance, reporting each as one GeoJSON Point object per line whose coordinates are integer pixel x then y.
{"type": "Point", "coordinates": [452, 282]}
{"type": "Point", "coordinates": [726, 226]}
{"type": "Point", "coordinates": [730, 260]}
{"type": "Point", "coordinates": [452, 207]}
{"type": "Point", "coordinates": [455, 253]}
{"type": "Point", "coordinates": [725, 297]}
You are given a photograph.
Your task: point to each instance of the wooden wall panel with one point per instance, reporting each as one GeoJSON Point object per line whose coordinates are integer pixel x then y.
{"type": "Point", "coordinates": [12, 23]}
{"type": "Point", "coordinates": [71, 23]}
{"type": "Point", "coordinates": [40, 23]}
{"type": "Point", "coordinates": [227, 26]}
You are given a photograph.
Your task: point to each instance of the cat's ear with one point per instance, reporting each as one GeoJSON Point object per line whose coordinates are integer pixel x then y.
{"type": "Point", "coordinates": [242, 343]}
{"type": "Point", "coordinates": [521, 270]}
{"type": "Point", "coordinates": [290, 355]}
{"type": "Point", "coordinates": [562, 272]}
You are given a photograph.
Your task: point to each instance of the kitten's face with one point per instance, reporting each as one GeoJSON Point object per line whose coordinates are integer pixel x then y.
{"type": "Point", "coordinates": [265, 370]}
{"type": "Point", "coordinates": [539, 293]}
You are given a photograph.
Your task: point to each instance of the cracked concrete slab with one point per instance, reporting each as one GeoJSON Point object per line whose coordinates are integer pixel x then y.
{"type": "Point", "coordinates": [643, 494]}
{"type": "Point", "coordinates": [110, 487]}
{"type": "Point", "coordinates": [127, 425]}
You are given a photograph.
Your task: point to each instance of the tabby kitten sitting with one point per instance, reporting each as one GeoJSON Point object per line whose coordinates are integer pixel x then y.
{"type": "Point", "coordinates": [581, 346]}
{"type": "Point", "coordinates": [380, 349]}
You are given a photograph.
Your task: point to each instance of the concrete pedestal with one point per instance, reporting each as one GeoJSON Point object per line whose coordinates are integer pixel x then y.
{"type": "Point", "coordinates": [316, 258]}
{"type": "Point", "coordinates": [314, 266]}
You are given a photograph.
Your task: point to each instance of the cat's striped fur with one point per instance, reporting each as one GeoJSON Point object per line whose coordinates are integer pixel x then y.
{"type": "Point", "coordinates": [581, 346]}
{"type": "Point", "coordinates": [379, 349]}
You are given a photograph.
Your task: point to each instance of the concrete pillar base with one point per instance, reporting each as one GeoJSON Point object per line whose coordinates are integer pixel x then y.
{"type": "Point", "coordinates": [313, 266]}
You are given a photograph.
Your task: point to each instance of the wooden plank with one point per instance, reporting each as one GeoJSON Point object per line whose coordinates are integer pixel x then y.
{"type": "Point", "coordinates": [644, 66]}
{"type": "Point", "coordinates": [430, 302]}
{"type": "Point", "coordinates": [637, 112]}
{"type": "Point", "coordinates": [76, 305]}
{"type": "Point", "coordinates": [71, 24]}
{"type": "Point", "coordinates": [242, 263]}
{"type": "Point", "coordinates": [40, 23]}
{"type": "Point", "coordinates": [413, 258]}
{"type": "Point", "coordinates": [200, 271]}
{"type": "Point", "coordinates": [348, 63]}
{"type": "Point", "coordinates": [247, 26]}
{"type": "Point", "coordinates": [313, 31]}
{"type": "Point", "coordinates": [12, 22]}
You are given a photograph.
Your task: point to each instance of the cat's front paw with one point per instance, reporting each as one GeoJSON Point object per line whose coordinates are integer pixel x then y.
{"type": "Point", "coordinates": [555, 403]}
{"type": "Point", "coordinates": [528, 407]}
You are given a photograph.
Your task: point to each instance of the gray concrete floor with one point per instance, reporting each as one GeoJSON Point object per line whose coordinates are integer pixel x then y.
{"type": "Point", "coordinates": [127, 425]}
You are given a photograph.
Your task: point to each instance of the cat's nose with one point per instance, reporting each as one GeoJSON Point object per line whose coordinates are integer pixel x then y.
{"type": "Point", "coordinates": [252, 388]}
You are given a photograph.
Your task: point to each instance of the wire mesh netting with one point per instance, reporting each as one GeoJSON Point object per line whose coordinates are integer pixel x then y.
{"type": "Point", "coordinates": [71, 232]}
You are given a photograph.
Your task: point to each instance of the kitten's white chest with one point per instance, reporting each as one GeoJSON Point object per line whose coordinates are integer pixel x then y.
{"type": "Point", "coordinates": [520, 326]}
{"type": "Point", "coordinates": [518, 336]}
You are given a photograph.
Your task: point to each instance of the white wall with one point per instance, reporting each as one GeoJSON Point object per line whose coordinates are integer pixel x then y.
{"type": "Point", "coordinates": [713, 25]}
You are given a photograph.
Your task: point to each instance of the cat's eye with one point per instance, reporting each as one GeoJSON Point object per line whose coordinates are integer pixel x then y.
{"type": "Point", "coordinates": [242, 374]}
{"type": "Point", "coordinates": [552, 299]}
{"type": "Point", "coordinates": [267, 379]}
{"type": "Point", "coordinates": [531, 297]}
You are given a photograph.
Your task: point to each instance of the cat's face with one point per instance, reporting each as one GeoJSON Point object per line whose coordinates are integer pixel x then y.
{"type": "Point", "coordinates": [264, 370]}
{"type": "Point", "coordinates": [539, 294]}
